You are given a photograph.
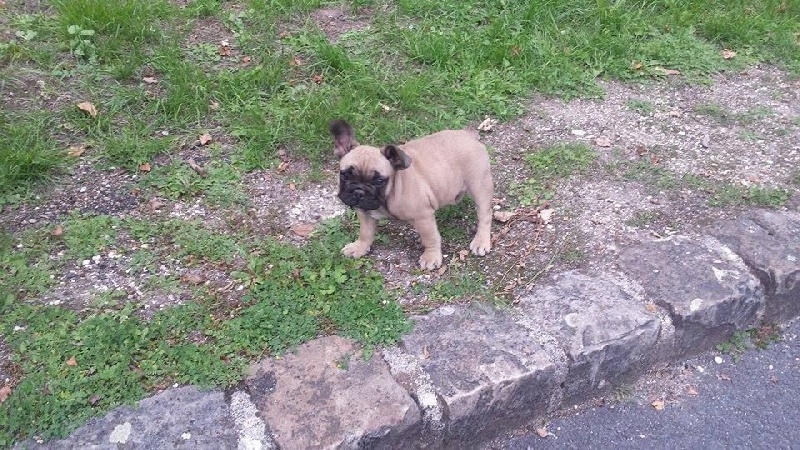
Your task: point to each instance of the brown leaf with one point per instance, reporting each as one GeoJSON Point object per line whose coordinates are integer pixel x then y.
{"type": "Point", "coordinates": [5, 392]}
{"type": "Point", "coordinates": [487, 124]}
{"type": "Point", "coordinates": [224, 49]}
{"type": "Point", "coordinates": [545, 216]}
{"type": "Point", "coordinates": [692, 391]}
{"type": "Point", "coordinates": [57, 231]}
{"type": "Point", "coordinates": [283, 166]}
{"type": "Point", "coordinates": [664, 71]}
{"type": "Point", "coordinates": [503, 216]}
{"type": "Point", "coordinates": [641, 150]}
{"type": "Point", "coordinates": [76, 150]}
{"type": "Point", "coordinates": [196, 167]}
{"type": "Point", "coordinates": [318, 79]}
{"type": "Point", "coordinates": [145, 167]}
{"type": "Point", "coordinates": [654, 160]}
{"type": "Point", "coordinates": [205, 138]}
{"type": "Point", "coordinates": [72, 362]}
{"type": "Point", "coordinates": [603, 141]}
{"type": "Point", "coordinates": [542, 432]}
{"type": "Point", "coordinates": [88, 108]}
{"type": "Point", "coordinates": [728, 54]}
{"type": "Point", "coordinates": [296, 61]}
{"type": "Point", "coordinates": [302, 229]}
{"type": "Point", "coordinates": [658, 404]}
{"type": "Point", "coordinates": [425, 352]}
{"type": "Point", "coordinates": [292, 187]}
{"type": "Point", "coordinates": [462, 255]}
{"type": "Point", "coordinates": [155, 203]}
{"type": "Point", "coordinates": [246, 59]}
{"type": "Point", "coordinates": [150, 80]}
{"type": "Point", "coordinates": [193, 278]}
{"type": "Point", "coordinates": [442, 269]}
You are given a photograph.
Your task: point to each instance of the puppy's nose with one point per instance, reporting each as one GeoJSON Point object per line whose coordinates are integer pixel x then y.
{"type": "Point", "coordinates": [359, 192]}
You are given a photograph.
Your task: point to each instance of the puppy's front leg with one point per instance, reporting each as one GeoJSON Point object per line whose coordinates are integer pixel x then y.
{"type": "Point", "coordinates": [366, 234]}
{"type": "Point", "coordinates": [429, 235]}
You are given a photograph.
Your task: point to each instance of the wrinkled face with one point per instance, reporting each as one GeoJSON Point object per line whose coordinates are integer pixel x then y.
{"type": "Point", "coordinates": [364, 178]}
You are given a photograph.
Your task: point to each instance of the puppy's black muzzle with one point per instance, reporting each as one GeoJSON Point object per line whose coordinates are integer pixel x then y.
{"type": "Point", "coordinates": [359, 197]}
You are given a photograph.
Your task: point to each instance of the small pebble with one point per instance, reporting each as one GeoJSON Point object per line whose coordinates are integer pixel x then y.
{"type": "Point", "coordinates": [718, 359]}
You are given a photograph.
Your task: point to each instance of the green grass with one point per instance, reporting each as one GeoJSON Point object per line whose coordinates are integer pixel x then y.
{"type": "Point", "coordinates": [28, 154]}
{"type": "Point", "coordinates": [293, 294]}
{"type": "Point", "coordinates": [550, 165]}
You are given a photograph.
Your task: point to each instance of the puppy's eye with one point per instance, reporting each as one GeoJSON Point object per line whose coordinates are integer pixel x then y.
{"type": "Point", "coordinates": [379, 181]}
{"type": "Point", "coordinates": [344, 174]}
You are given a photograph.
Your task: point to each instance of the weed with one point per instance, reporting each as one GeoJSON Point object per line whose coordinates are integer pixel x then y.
{"type": "Point", "coordinates": [643, 107]}
{"type": "Point", "coordinates": [643, 218]}
{"type": "Point", "coordinates": [28, 154]}
{"type": "Point", "coordinates": [89, 236]}
{"type": "Point", "coordinates": [221, 184]}
{"type": "Point", "coordinates": [548, 166]}
{"type": "Point", "coordinates": [741, 341]}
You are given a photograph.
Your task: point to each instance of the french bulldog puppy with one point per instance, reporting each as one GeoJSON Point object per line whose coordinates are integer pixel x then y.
{"type": "Point", "coordinates": [410, 182]}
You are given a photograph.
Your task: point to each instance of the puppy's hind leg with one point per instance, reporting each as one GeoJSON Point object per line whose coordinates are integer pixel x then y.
{"type": "Point", "coordinates": [482, 193]}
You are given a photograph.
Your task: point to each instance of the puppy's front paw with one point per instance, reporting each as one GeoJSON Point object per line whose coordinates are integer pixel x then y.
{"type": "Point", "coordinates": [430, 259]}
{"type": "Point", "coordinates": [355, 249]}
{"type": "Point", "coordinates": [481, 245]}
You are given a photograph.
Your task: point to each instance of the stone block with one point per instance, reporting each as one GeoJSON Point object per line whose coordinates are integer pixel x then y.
{"type": "Point", "coordinates": [181, 418]}
{"type": "Point", "coordinates": [708, 290]}
{"type": "Point", "coordinates": [488, 371]}
{"type": "Point", "coordinates": [607, 334]}
{"type": "Point", "coordinates": [769, 243]}
{"type": "Point", "coordinates": [325, 395]}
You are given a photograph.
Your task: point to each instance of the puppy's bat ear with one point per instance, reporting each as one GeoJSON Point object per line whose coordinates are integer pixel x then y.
{"type": "Point", "coordinates": [398, 158]}
{"type": "Point", "coordinates": [343, 137]}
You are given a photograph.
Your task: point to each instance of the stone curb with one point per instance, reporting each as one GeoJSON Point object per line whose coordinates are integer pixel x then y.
{"type": "Point", "coordinates": [466, 373]}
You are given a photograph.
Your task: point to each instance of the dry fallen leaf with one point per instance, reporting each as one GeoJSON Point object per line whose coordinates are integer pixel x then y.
{"type": "Point", "coordinates": [603, 141]}
{"type": "Point", "coordinates": [205, 138]}
{"type": "Point", "coordinates": [150, 80]}
{"type": "Point", "coordinates": [283, 166]}
{"type": "Point", "coordinates": [318, 79]}
{"type": "Point", "coordinates": [542, 432]}
{"type": "Point", "coordinates": [641, 150]}
{"type": "Point", "coordinates": [545, 216]}
{"type": "Point", "coordinates": [200, 170]}
{"type": "Point", "coordinates": [72, 362]}
{"type": "Point", "coordinates": [246, 59]}
{"type": "Point", "coordinates": [503, 216]}
{"type": "Point", "coordinates": [728, 54]}
{"type": "Point", "coordinates": [462, 255]}
{"type": "Point", "coordinates": [284, 34]}
{"type": "Point", "coordinates": [302, 229]}
{"type": "Point", "coordinates": [145, 167]}
{"type": "Point", "coordinates": [212, 105]}
{"type": "Point", "coordinates": [296, 61]}
{"type": "Point", "coordinates": [442, 269]}
{"type": "Point", "coordinates": [425, 352]}
{"type": "Point", "coordinates": [88, 108]}
{"type": "Point", "coordinates": [76, 150]}
{"type": "Point", "coordinates": [5, 391]}
{"type": "Point", "coordinates": [651, 307]}
{"type": "Point", "coordinates": [487, 124]}
{"type": "Point", "coordinates": [636, 65]}
{"type": "Point", "coordinates": [57, 231]}
{"type": "Point", "coordinates": [664, 71]}
{"type": "Point", "coordinates": [692, 391]}
{"type": "Point", "coordinates": [658, 405]}
{"type": "Point", "coordinates": [224, 50]}
{"type": "Point", "coordinates": [292, 187]}
{"type": "Point", "coordinates": [675, 113]}
{"type": "Point", "coordinates": [155, 203]}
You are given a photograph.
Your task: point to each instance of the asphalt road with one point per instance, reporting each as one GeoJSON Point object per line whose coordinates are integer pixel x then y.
{"type": "Point", "coordinates": [752, 403]}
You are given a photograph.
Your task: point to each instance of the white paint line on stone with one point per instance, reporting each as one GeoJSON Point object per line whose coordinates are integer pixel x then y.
{"type": "Point", "coordinates": [120, 434]}
{"type": "Point", "coordinates": [251, 429]}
